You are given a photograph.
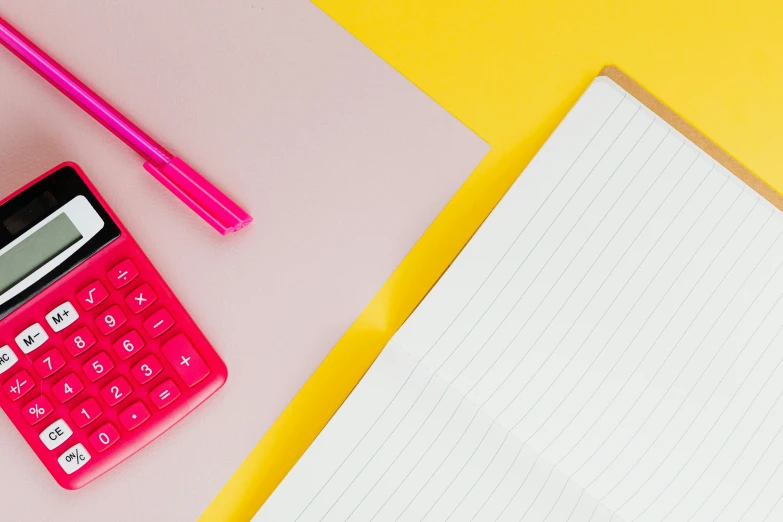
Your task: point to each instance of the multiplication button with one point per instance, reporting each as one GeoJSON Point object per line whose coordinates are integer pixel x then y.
{"type": "Point", "coordinates": [7, 359]}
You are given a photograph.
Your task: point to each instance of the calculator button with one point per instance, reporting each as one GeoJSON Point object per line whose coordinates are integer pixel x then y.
{"type": "Point", "coordinates": [141, 298]}
{"type": "Point", "coordinates": [158, 323]}
{"type": "Point", "coordinates": [110, 320]}
{"type": "Point", "coordinates": [48, 364]}
{"type": "Point", "coordinates": [32, 338]}
{"type": "Point", "coordinates": [80, 341]}
{"type": "Point", "coordinates": [104, 437]}
{"type": "Point", "coordinates": [128, 344]}
{"type": "Point", "coordinates": [67, 388]}
{"type": "Point", "coordinates": [92, 295]}
{"type": "Point", "coordinates": [164, 394]}
{"type": "Point", "coordinates": [37, 410]}
{"type": "Point", "coordinates": [56, 434]}
{"type": "Point", "coordinates": [185, 360]}
{"type": "Point", "coordinates": [98, 366]}
{"type": "Point", "coordinates": [74, 459]}
{"type": "Point", "coordinates": [116, 391]}
{"type": "Point", "coordinates": [123, 274]}
{"type": "Point", "coordinates": [134, 416]}
{"type": "Point", "coordinates": [62, 317]}
{"type": "Point", "coordinates": [146, 369]}
{"type": "Point", "coordinates": [7, 359]}
{"type": "Point", "coordinates": [19, 385]}
{"type": "Point", "coordinates": [86, 412]}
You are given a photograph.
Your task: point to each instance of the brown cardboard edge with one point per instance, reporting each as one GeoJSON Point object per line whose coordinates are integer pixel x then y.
{"type": "Point", "coordinates": [690, 132]}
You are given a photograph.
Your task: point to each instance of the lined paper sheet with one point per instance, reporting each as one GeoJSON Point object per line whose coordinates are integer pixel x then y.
{"type": "Point", "coordinates": [607, 347]}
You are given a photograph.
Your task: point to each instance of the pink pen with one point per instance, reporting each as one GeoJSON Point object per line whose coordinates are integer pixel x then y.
{"type": "Point", "coordinates": [176, 175]}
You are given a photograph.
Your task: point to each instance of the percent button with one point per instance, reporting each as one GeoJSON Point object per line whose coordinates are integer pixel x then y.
{"type": "Point", "coordinates": [74, 459]}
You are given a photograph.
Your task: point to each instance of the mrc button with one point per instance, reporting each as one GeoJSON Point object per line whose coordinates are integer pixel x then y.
{"type": "Point", "coordinates": [7, 359]}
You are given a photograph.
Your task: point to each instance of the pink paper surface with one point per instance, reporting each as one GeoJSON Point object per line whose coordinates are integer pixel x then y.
{"type": "Point", "coordinates": [342, 162]}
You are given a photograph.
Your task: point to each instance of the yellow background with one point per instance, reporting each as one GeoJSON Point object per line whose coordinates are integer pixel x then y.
{"type": "Point", "coordinates": [510, 70]}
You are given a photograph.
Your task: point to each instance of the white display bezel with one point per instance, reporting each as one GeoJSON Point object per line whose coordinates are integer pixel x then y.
{"type": "Point", "coordinates": [86, 220]}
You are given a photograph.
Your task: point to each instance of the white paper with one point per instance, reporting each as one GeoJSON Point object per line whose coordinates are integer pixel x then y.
{"type": "Point", "coordinates": [605, 348]}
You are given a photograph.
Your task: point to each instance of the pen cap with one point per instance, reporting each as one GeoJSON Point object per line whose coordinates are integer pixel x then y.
{"type": "Point", "coordinates": [201, 196]}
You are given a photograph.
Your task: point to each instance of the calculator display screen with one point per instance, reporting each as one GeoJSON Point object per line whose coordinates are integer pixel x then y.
{"type": "Point", "coordinates": [36, 250]}
{"type": "Point", "coordinates": [47, 230]}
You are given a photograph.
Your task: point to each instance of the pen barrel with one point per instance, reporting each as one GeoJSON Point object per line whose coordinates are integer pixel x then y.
{"type": "Point", "coordinates": [82, 95]}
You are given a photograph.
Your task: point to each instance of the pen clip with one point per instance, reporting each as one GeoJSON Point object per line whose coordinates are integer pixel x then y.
{"type": "Point", "coordinates": [201, 196]}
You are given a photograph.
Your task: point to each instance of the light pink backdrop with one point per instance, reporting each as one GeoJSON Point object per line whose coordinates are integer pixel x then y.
{"type": "Point", "coordinates": [342, 161]}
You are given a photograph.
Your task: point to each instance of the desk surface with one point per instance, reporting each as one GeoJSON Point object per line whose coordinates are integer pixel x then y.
{"type": "Point", "coordinates": [342, 161]}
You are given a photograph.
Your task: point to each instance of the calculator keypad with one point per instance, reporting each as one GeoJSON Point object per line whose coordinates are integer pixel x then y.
{"type": "Point", "coordinates": [99, 366]}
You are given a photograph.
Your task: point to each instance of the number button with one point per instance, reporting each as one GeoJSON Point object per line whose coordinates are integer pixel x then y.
{"type": "Point", "coordinates": [49, 363]}
{"type": "Point", "coordinates": [81, 341]}
{"type": "Point", "coordinates": [128, 344]}
{"type": "Point", "coordinates": [141, 298]}
{"type": "Point", "coordinates": [164, 394]}
{"type": "Point", "coordinates": [19, 385]}
{"type": "Point", "coordinates": [98, 366]}
{"type": "Point", "coordinates": [123, 274]}
{"type": "Point", "coordinates": [147, 369]}
{"type": "Point", "coordinates": [92, 295]}
{"type": "Point", "coordinates": [104, 437]}
{"type": "Point", "coordinates": [62, 317]}
{"type": "Point", "coordinates": [32, 338]}
{"type": "Point", "coordinates": [116, 391]}
{"type": "Point", "coordinates": [185, 359]}
{"type": "Point", "coordinates": [110, 320]}
{"type": "Point", "coordinates": [67, 388]}
{"type": "Point", "coordinates": [158, 323]}
{"type": "Point", "coordinates": [86, 412]}
{"type": "Point", "coordinates": [37, 410]}
{"type": "Point", "coordinates": [7, 359]}
{"type": "Point", "coordinates": [134, 416]}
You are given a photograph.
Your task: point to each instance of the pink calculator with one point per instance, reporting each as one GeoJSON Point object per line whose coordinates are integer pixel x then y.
{"type": "Point", "coordinates": [97, 355]}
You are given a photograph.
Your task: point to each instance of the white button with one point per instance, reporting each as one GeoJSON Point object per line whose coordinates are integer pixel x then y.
{"type": "Point", "coordinates": [62, 317]}
{"type": "Point", "coordinates": [7, 359]}
{"type": "Point", "coordinates": [56, 434]}
{"type": "Point", "coordinates": [31, 338]}
{"type": "Point", "coordinates": [74, 459]}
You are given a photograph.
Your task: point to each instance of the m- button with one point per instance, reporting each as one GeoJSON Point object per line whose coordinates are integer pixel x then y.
{"type": "Point", "coordinates": [32, 338]}
{"type": "Point", "coordinates": [7, 359]}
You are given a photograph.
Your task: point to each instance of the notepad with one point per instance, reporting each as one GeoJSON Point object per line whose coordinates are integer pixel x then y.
{"type": "Point", "coordinates": [607, 347]}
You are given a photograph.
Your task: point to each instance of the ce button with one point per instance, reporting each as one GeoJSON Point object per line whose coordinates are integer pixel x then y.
{"type": "Point", "coordinates": [56, 434]}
